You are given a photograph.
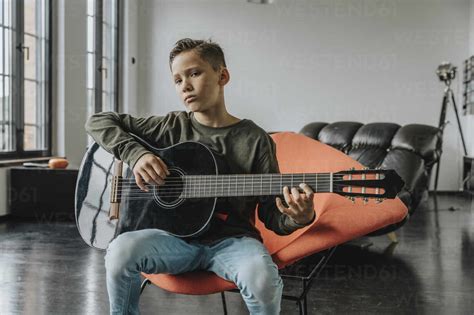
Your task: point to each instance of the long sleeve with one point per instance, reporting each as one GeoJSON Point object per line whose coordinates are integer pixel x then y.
{"type": "Point", "coordinates": [111, 131]}
{"type": "Point", "coordinates": [268, 211]}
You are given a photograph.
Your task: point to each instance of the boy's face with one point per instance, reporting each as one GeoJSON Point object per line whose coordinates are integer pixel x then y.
{"type": "Point", "coordinates": [196, 82]}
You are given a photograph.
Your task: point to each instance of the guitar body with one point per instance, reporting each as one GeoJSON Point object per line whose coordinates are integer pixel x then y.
{"type": "Point", "coordinates": [183, 217]}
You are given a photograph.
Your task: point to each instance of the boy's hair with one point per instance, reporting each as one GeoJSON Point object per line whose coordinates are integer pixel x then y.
{"type": "Point", "coordinates": [207, 50]}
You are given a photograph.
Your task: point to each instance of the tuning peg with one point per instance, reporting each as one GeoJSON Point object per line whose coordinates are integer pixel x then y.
{"type": "Point", "coordinates": [366, 168]}
{"type": "Point", "coordinates": [352, 169]}
{"type": "Point", "coordinates": [351, 199]}
{"type": "Point", "coordinates": [366, 200]}
{"type": "Point", "coordinates": [379, 200]}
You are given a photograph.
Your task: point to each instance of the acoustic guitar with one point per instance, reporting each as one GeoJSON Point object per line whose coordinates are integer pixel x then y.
{"type": "Point", "coordinates": [108, 202]}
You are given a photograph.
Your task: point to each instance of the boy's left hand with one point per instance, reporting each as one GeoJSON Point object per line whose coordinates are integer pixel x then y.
{"type": "Point", "coordinates": [300, 206]}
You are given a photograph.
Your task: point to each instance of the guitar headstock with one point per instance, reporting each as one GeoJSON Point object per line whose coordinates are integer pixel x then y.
{"type": "Point", "coordinates": [368, 184]}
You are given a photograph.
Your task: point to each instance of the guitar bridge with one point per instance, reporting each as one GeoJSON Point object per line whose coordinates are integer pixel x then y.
{"type": "Point", "coordinates": [115, 193]}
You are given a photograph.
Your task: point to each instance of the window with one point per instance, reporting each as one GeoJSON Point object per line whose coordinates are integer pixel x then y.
{"type": "Point", "coordinates": [102, 55]}
{"type": "Point", "coordinates": [25, 78]}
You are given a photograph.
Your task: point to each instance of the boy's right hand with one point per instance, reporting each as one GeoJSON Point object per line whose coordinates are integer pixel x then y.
{"type": "Point", "coordinates": [150, 169]}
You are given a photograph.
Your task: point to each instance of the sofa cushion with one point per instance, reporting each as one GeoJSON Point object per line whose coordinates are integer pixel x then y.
{"type": "Point", "coordinates": [339, 135]}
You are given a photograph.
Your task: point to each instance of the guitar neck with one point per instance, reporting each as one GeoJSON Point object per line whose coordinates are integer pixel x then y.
{"type": "Point", "coordinates": [202, 186]}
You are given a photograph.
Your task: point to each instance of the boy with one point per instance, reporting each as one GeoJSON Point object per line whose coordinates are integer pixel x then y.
{"type": "Point", "coordinates": [231, 247]}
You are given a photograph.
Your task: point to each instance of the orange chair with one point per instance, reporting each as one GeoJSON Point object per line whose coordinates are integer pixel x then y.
{"type": "Point", "coordinates": [338, 220]}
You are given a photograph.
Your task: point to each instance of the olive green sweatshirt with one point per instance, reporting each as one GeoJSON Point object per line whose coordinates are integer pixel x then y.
{"type": "Point", "coordinates": [245, 147]}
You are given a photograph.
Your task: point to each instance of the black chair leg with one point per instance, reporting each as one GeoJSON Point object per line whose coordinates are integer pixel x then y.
{"type": "Point", "coordinates": [301, 307]}
{"type": "Point", "coordinates": [305, 300]}
{"type": "Point", "coordinates": [224, 305]}
{"type": "Point", "coordinates": [305, 303]}
{"type": "Point", "coordinates": [144, 283]}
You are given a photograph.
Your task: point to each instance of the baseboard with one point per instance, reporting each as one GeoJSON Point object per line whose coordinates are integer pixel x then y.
{"type": "Point", "coordinates": [5, 218]}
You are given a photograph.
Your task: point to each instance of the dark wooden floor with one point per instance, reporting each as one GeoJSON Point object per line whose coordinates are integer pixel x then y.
{"type": "Point", "coordinates": [45, 268]}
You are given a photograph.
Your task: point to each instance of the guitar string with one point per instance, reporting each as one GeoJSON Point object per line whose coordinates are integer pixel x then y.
{"type": "Point", "coordinates": [220, 182]}
{"type": "Point", "coordinates": [229, 180]}
{"type": "Point", "coordinates": [213, 186]}
{"type": "Point", "coordinates": [228, 185]}
{"type": "Point", "coordinates": [244, 181]}
{"type": "Point", "coordinates": [234, 195]}
{"type": "Point", "coordinates": [218, 188]}
{"type": "Point", "coordinates": [244, 177]}
{"type": "Point", "coordinates": [149, 197]}
{"type": "Point", "coordinates": [194, 195]}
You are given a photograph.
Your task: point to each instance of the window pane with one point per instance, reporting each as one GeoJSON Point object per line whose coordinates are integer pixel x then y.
{"type": "Point", "coordinates": [7, 6]}
{"type": "Point", "coordinates": [30, 16]}
{"type": "Point", "coordinates": [6, 115]}
{"type": "Point", "coordinates": [108, 58]}
{"type": "Point", "coordinates": [2, 7]}
{"type": "Point", "coordinates": [30, 64]}
{"type": "Point", "coordinates": [105, 102]}
{"type": "Point", "coordinates": [6, 130]}
{"type": "Point", "coordinates": [7, 52]}
{"type": "Point", "coordinates": [105, 41]}
{"type": "Point", "coordinates": [30, 117]}
{"type": "Point", "coordinates": [106, 75]}
{"type": "Point", "coordinates": [90, 102]}
{"type": "Point", "coordinates": [2, 52]}
{"type": "Point", "coordinates": [34, 138]}
{"type": "Point", "coordinates": [107, 8]}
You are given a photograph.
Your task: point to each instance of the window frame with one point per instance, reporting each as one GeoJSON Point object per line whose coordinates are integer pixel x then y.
{"type": "Point", "coordinates": [17, 83]}
{"type": "Point", "coordinates": [98, 56]}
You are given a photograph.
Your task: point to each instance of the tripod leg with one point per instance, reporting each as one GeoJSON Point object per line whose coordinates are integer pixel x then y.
{"type": "Point", "coordinates": [442, 121]}
{"type": "Point", "coordinates": [459, 123]}
{"type": "Point", "coordinates": [437, 173]}
{"type": "Point", "coordinates": [442, 115]}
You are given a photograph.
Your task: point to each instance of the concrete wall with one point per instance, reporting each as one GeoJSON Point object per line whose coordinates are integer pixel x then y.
{"type": "Point", "coordinates": [295, 61]}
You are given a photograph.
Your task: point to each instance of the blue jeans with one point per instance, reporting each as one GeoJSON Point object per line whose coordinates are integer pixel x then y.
{"type": "Point", "coordinates": [244, 261]}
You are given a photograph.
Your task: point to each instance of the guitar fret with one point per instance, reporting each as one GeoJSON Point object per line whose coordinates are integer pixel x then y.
{"type": "Point", "coordinates": [271, 177]}
{"type": "Point", "coordinates": [316, 178]}
{"type": "Point", "coordinates": [222, 186]}
{"type": "Point", "coordinates": [331, 187]}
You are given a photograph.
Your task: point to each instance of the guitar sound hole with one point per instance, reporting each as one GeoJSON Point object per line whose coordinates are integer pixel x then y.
{"type": "Point", "coordinates": [172, 189]}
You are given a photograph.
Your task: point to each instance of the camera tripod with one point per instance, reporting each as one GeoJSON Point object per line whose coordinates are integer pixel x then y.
{"type": "Point", "coordinates": [448, 95]}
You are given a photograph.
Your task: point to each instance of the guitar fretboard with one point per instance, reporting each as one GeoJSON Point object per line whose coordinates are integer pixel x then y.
{"type": "Point", "coordinates": [202, 186]}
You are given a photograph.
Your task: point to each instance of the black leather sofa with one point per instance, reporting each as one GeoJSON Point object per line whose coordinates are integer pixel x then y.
{"type": "Point", "coordinates": [411, 150]}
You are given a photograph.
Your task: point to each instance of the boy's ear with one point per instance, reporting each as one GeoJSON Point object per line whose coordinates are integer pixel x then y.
{"type": "Point", "coordinates": [224, 77]}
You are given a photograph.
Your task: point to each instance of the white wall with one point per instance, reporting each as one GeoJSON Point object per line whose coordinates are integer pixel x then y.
{"type": "Point", "coordinates": [470, 119]}
{"type": "Point", "coordinates": [296, 61]}
{"type": "Point", "coordinates": [471, 28]}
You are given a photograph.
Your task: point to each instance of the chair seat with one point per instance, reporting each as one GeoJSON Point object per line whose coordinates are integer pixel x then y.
{"type": "Point", "coordinates": [195, 283]}
{"type": "Point", "coordinates": [338, 219]}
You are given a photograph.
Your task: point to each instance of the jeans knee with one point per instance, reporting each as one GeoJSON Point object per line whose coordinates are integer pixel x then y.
{"type": "Point", "coordinates": [262, 283]}
{"type": "Point", "coordinates": [121, 254]}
